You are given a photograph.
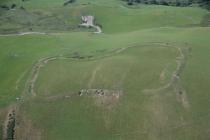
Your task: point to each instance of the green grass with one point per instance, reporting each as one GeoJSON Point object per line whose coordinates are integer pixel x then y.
{"type": "Point", "coordinates": [114, 17]}
{"type": "Point", "coordinates": [137, 114]}
{"type": "Point", "coordinates": [66, 77]}
{"type": "Point", "coordinates": [67, 74]}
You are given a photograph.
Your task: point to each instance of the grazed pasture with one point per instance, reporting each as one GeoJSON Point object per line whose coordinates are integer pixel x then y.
{"type": "Point", "coordinates": [146, 76]}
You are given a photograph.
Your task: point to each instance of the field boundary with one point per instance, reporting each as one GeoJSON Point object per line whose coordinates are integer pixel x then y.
{"type": "Point", "coordinates": [175, 81]}
{"type": "Point", "coordinates": [30, 92]}
{"type": "Point", "coordinates": [29, 86]}
{"type": "Point", "coordinates": [24, 33]}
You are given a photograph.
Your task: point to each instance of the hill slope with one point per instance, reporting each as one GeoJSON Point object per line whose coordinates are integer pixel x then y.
{"type": "Point", "coordinates": [146, 77]}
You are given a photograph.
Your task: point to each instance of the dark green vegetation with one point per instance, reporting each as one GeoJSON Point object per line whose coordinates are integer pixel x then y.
{"type": "Point", "coordinates": [11, 126]}
{"type": "Point", "coordinates": [180, 3]}
{"type": "Point", "coordinates": [68, 2]}
{"type": "Point", "coordinates": [146, 77]}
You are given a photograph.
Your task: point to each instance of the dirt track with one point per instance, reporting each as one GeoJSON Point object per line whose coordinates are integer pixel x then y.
{"type": "Point", "coordinates": [174, 82]}
{"type": "Point", "coordinates": [25, 33]}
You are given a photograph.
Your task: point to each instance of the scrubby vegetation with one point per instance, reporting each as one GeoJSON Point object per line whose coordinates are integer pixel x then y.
{"type": "Point", "coordinates": [68, 2]}
{"type": "Point", "coordinates": [10, 130]}
{"type": "Point", "coordinates": [181, 3]}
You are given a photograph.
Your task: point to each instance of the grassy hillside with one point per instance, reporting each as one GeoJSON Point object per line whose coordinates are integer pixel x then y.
{"type": "Point", "coordinates": [45, 16]}
{"type": "Point", "coordinates": [151, 62]}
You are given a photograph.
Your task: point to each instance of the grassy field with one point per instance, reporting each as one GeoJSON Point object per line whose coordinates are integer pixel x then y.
{"type": "Point", "coordinates": [151, 62]}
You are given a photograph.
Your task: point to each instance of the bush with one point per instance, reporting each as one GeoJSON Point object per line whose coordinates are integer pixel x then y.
{"type": "Point", "coordinates": [180, 3]}
{"type": "Point", "coordinates": [68, 2]}
{"type": "Point", "coordinates": [13, 6]}
{"type": "Point", "coordinates": [4, 7]}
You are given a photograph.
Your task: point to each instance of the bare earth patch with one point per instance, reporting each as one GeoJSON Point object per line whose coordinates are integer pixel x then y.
{"type": "Point", "coordinates": [103, 97]}
{"type": "Point", "coordinates": [25, 129]}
